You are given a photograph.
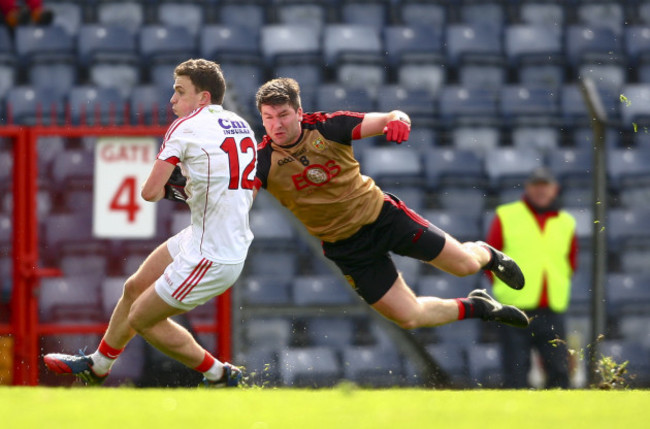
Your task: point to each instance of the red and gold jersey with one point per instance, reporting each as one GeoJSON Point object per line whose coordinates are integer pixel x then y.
{"type": "Point", "coordinates": [319, 179]}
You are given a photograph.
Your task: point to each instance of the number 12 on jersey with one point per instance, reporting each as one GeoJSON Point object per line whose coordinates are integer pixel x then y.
{"type": "Point", "coordinates": [122, 164]}
{"type": "Point", "coordinates": [246, 148]}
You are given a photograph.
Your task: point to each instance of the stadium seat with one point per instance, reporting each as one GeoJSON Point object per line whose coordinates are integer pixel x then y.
{"type": "Point", "coordinates": [106, 44]}
{"type": "Point", "coordinates": [581, 291]}
{"type": "Point", "coordinates": [509, 166]}
{"type": "Point", "coordinates": [635, 259]}
{"type": "Point", "coordinates": [473, 44]}
{"type": "Point", "coordinates": [635, 354]}
{"type": "Point", "coordinates": [471, 200]}
{"type": "Point", "coordinates": [73, 168]}
{"type": "Point", "coordinates": [309, 367]}
{"type": "Point", "coordinates": [478, 138]}
{"type": "Point", "coordinates": [166, 45]}
{"type": "Point", "coordinates": [636, 109]}
{"type": "Point", "coordinates": [446, 286]}
{"type": "Point", "coordinates": [634, 328]}
{"type": "Point", "coordinates": [272, 227]}
{"type": "Point", "coordinates": [571, 166]}
{"type": "Point", "coordinates": [628, 293]}
{"type": "Point", "coordinates": [333, 332]}
{"type": "Point", "coordinates": [461, 168]}
{"type": "Point", "coordinates": [334, 97]}
{"type": "Point", "coordinates": [423, 137]}
{"type": "Point", "coordinates": [267, 332]}
{"type": "Point", "coordinates": [462, 225]}
{"type": "Point", "coordinates": [458, 105]}
{"type": "Point", "coordinates": [543, 13]}
{"type": "Point", "coordinates": [6, 231]}
{"type": "Point", "coordinates": [372, 366]}
{"type": "Point", "coordinates": [249, 14]}
{"type": "Point", "coordinates": [574, 109]}
{"type": "Point", "coordinates": [490, 14]}
{"type": "Point", "coordinates": [605, 14]}
{"type": "Point", "coordinates": [94, 106]}
{"type": "Point", "coordinates": [419, 105]}
{"type": "Point", "coordinates": [27, 105]}
{"type": "Point", "coordinates": [322, 290]}
{"type": "Point", "coordinates": [229, 43]}
{"type": "Point", "coordinates": [466, 333]}
{"type": "Point", "coordinates": [72, 299]}
{"type": "Point", "coordinates": [111, 291]}
{"type": "Point", "coordinates": [72, 265]}
{"type": "Point", "coordinates": [413, 44]}
{"type": "Point", "coordinates": [150, 106]}
{"type": "Point", "coordinates": [413, 196]}
{"type": "Point", "coordinates": [419, 13]}
{"type": "Point", "coordinates": [314, 14]}
{"type": "Point", "coordinates": [485, 365]}
{"type": "Point", "coordinates": [351, 44]}
{"type": "Point", "coordinates": [308, 73]}
{"type": "Point", "coordinates": [628, 167]}
{"type": "Point", "coordinates": [127, 14]}
{"type": "Point", "coordinates": [190, 16]}
{"type": "Point", "coordinates": [452, 359]}
{"type": "Point", "coordinates": [374, 13]}
{"type": "Point", "coordinates": [637, 44]}
{"type": "Point", "coordinates": [265, 290]}
{"type": "Point", "coordinates": [535, 54]}
{"type": "Point", "coordinates": [410, 268]}
{"type": "Point", "coordinates": [261, 366]}
{"type": "Point", "coordinates": [67, 15]}
{"type": "Point", "coordinates": [545, 139]}
{"type": "Point", "coordinates": [585, 44]}
{"type": "Point", "coordinates": [627, 227]}
{"type": "Point", "coordinates": [393, 165]}
{"type": "Point", "coordinates": [529, 105]}
{"type": "Point", "coordinates": [44, 44]}
{"type": "Point", "coordinates": [283, 44]}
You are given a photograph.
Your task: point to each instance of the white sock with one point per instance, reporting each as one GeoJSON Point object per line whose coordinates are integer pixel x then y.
{"type": "Point", "coordinates": [215, 372]}
{"type": "Point", "coordinates": [101, 364]}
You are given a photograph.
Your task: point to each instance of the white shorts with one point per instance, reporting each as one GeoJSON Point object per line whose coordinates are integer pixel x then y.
{"type": "Point", "coordinates": [191, 280]}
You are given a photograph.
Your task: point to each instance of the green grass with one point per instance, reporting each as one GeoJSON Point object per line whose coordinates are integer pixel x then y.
{"type": "Point", "coordinates": [343, 407]}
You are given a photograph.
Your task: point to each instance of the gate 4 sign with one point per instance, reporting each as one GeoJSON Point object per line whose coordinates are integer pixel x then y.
{"type": "Point", "coordinates": [122, 164]}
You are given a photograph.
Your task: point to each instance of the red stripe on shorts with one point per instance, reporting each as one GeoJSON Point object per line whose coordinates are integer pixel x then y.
{"type": "Point", "coordinates": [197, 281]}
{"type": "Point", "coordinates": [190, 279]}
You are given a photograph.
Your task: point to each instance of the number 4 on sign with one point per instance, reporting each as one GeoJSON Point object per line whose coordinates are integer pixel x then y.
{"type": "Point", "coordinates": [125, 198]}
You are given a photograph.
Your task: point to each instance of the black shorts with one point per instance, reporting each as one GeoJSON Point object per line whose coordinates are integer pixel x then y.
{"type": "Point", "coordinates": [364, 259]}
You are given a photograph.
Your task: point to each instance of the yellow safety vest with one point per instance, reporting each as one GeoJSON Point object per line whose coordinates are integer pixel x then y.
{"type": "Point", "coordinates": [537, 252]}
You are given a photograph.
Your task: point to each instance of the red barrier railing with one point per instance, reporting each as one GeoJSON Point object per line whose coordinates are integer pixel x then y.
{"type": "Point", "coordinates": [24, 324]}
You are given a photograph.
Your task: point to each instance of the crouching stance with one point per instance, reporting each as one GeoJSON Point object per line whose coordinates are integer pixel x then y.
{"type": "Point", "coordinates": [204, 259]}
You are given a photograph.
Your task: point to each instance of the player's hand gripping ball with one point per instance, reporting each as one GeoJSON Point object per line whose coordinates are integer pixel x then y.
{"type": "Point", "coordinates": [397, 131]}
{"type": "Point", "coordinates": [175, 186]}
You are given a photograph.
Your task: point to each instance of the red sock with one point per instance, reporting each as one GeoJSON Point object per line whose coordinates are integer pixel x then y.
{"type": "Point", "coordinates": [208, 361]}
{"type": "Point", "coordinates": [108, 351]}
{"type": "Point", "coordinates": [465, 308]}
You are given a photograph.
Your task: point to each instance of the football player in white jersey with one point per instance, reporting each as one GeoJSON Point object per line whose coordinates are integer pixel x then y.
{"type": "Point", "coordinates": [216, 151]}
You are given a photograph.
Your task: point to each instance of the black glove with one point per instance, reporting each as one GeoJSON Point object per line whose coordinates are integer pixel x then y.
{"type": "Point", "coordinates": [175, 186]}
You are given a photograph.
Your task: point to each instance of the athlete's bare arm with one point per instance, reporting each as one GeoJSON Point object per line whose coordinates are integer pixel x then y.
{"type": "Point", "coordinates": [154, 187]}
{"type": "Point", "coordinates": [373, 123]}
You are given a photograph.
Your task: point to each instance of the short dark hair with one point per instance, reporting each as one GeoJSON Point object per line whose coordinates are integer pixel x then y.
{"type": "Point", "coordinates": [279, 91]}
{"type": "Point", "coordinates": [205, 76]}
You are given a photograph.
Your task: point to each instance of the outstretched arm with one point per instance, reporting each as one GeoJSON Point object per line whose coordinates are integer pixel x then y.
{"type": "Point", "coordinates": [395, 124]}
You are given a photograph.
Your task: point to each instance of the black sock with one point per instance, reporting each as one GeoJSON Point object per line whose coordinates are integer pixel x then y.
{"type": "Point", "coordinates": [471, 308]}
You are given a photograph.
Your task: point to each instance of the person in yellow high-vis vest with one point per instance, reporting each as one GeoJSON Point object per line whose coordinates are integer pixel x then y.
{"type": "Point", "coordinates": [542, 238]}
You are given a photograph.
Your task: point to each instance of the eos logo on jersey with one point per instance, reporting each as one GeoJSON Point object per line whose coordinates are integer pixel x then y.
{"type": "Point", "coordinates": [316, 175]}
{"type": "Point", "coordinates": [227, 124]}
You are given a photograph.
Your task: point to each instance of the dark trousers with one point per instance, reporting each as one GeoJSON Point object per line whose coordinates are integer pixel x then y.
{"type": "Point", "coordinates": [516, 344]}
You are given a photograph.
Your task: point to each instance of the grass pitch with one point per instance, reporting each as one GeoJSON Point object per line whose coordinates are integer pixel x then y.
{"type": "Point", "coordinates": [342, 407]}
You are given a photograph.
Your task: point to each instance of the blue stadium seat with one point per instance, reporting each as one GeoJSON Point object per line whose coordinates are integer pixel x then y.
{"type": "Point", "coordinates": [261, 366]}
{"type": "Point", "coordinates": [637, 106]}
{"type": "Point", "coordinates": [265, 290]}
{"type": "Point", "coordinates": [635, 259]}
{"type": "Point", "coordinates": [535, 54]}
{"type": "Point", "coordinates": [581, 290]}
{"type": "Point", "coordinates": [627, 228]}
{"type": "Point", "coordinates": [462, 225]}
{"type": "Point", "coordinates": [429, 13]}
{"type": "Point", "coordinates": [307, 72]}
{"type": "Point", "coordinates": [462, 168]}
{"type": "Point", "coordinates": [58, 77]}
{"type": "Point", "coordinates": [485, 365]}
{"type": "Point", "coordinates": [249, 14]}
{"type": "Point", "coordinates": [67, 15]}
{"type": "Point", "coordinates": [334, 332]}
{"type": "Point", "coordinates": [44, 44]}
{"type": "Point", "coordinates": [393, 165]}
{"type": "Point", "coordinates": [585, 44]}
{"type": "Point", "coordinates": [159, 44]}
{"type": "Point", "coordinates": [223, 42]}
{"type": "Point", "coordinates": [372, 366]}
{"type": "Point", "coordinates": [149, 105]}
{"type": "Point", "coordinates": [94, 106]}
{"type": "Point", "coordinates": [605, 14]}
{"type": "Point", "coordinates": [243, 80]}
{"type": "Point", "coordinates": [446, 286]}
{"type": "Point", "coordinates": [342, 42]}
{"type": "Point", "coordinates": [473, 44]}
{"type": "Point", "coordinates": [419, 105]}
{"type": "Point", "coordinates": [271, 226]}
{"type": "Point", "coordinates": [314, 14]}
{"type": "Point", "coordinates": [189, 16]}
{"type": "Point", "coordinates": [490, 14]}
{"type": "Point", "coordinates": [309, 367]}
{"type": "Point", "coordinates": [428, 76]}
{"type": "Point", "coordinates": [466, 333]}
{"type": "Point", "coordinates": [509, 167]}
{"type": "Point", "coordinates": [637, 49]}
{"type": "Point", "coordinates": [73, 168]}
{"type": "Point", "coordinates": [471, 200]}
{"type": "Point", "coordinates": [268, 332]}
{"type": "Point", "coordinates": [628, 167]}
{"type": "Point", "coordinates": [99, 43]}
{"type": "Point", "coordinates": [410, 268]}
{"type": "Point", "coordinates": [628, 293]}
{"type": "Point", "coordinates": [127, 14]}
{"type": "Point", "coordinates": [272, 262]}
{"type": "Point", "coordinates": [321, 290]}
{"type": "Point", "coordinates": [634, 328]}
{"type": "Point", "coordinates": [478, 138]}
{"type": "Point", "coordinates": [72, 299]}
{"type": "Point", "coordinates": [574, 108]}
{"type": "Point", "coordinates": [413, 44]}
{"type": "Point", "coordinates": [529, 105]}
{"type": "Point", "coordinates": [459, 105]}
{"type": "Point", "coordinates": [111, 291]}
{"type": "Point", "coordinates": [374, 13]}
{"type": "Point", "coordinates": [290, 43]}
{"type": "Point", "coordinates": [546, 139]}
{"type": "Point", "coordinates": [548, 14]}
{"type": "Point", "coordinates": [334, 97]}
{"type": "Point", "coordinates": [635, 354]}
{"type": "Point", "coordinates": [28, 105]}
{"type": "Point", "coordinates": [74, 265]}
{"type": "Point", "coordinates": [452, 358]}
{"type": "Point", "coordinates": [572, 166]}
{"type": "Point", "coordinates": [7, 51]}
{"type": "Point", "coordinates": [423, 137]}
